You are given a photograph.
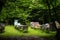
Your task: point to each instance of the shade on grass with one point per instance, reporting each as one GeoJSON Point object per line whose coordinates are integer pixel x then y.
{"type": "Point", "coordinates": [11, 31]}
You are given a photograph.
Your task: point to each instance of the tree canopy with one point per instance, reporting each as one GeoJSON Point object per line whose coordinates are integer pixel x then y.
{"type": "Point", "coordinates": [28, 10]}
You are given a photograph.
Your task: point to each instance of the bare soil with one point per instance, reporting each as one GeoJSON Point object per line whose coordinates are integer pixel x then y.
{"type": "Point", "coordinates": [27, 38]}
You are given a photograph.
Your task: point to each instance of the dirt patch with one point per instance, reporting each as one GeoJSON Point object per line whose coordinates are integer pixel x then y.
{"type": "Point", "coordinates": [27, 38]}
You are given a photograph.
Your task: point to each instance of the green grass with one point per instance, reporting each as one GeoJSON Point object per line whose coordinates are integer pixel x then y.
{"type": "Point", "coordinates": [11, 31]}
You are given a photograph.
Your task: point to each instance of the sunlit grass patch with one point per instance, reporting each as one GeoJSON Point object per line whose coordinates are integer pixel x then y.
{"type": "Point", "coordinates": [11, 31]}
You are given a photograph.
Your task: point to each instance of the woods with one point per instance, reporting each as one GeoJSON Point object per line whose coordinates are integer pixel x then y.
{"type": "Point", "coordinates": [26, 11]}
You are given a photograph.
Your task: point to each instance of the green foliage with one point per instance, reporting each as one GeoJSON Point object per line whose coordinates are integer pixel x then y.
{"type": "Point", "coordinates": [26, 10]}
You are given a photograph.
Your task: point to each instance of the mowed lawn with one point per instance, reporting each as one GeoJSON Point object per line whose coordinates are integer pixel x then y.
{"type": "Point", "coordinates": [11, 31]}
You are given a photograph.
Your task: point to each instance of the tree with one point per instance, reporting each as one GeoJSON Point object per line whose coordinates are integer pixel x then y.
{"type": "Point", "coordinates": [19, 9]}
{"type": "Point", "coordinates": [13, 9]}
{"type": "Point", "coordinates": [53, 4]}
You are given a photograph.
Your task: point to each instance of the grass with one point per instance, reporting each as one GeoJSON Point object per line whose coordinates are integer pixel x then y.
{"type": "Point", "coordinates": [11, 31]}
